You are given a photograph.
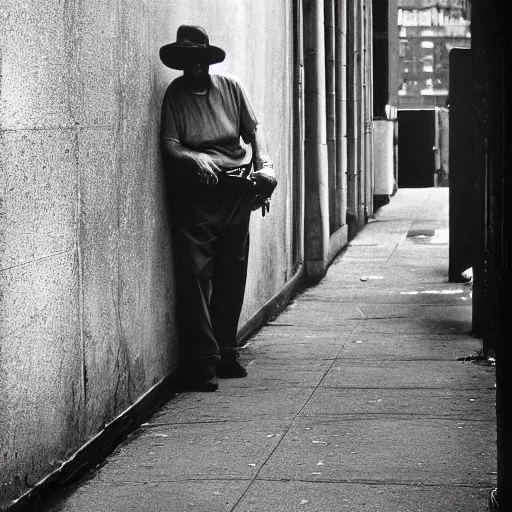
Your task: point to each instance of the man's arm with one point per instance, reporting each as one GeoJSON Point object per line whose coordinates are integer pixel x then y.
{"type": "Point", "coordinates": [206, 168]}
{"type": "Point", "coordinates": [259, 145]}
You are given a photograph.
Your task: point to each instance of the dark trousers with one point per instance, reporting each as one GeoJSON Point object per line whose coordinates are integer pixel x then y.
{"type": "Point", "coordinates": [211, 242]}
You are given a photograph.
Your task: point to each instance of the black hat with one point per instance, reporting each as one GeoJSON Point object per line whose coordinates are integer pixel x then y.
{"type": "Point", "coordinates": [192, 46]}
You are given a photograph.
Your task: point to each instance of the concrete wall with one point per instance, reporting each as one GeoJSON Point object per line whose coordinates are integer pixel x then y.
{"type": "Point", "coordinates": [86, 275]}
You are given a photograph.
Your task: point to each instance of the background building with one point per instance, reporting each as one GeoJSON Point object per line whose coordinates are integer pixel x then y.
{"type": "Point", "coordinates": [428, 30]}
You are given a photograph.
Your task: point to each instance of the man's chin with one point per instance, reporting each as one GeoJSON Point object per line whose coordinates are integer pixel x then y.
{"type": "Point", "coordinates": [197, 83]}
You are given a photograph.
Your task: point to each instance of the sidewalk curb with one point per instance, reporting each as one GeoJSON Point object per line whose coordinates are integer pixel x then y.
{"type": "Point", "coordinates": [273, 307]}
{"type": "Point", "coordinates": [99, 447]}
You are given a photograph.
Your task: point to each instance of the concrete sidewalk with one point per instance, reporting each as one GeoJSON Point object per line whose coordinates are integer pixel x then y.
{"type": "Point", "coordinates": [355, 399]}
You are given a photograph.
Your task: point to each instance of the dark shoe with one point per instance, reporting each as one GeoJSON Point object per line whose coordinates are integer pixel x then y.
{"type": "Point", "coordinates": [200, 377]}
{"type": "Point", "coordinates": [197, 384]}
{"type": "Point", "coordinates": [231, 370]}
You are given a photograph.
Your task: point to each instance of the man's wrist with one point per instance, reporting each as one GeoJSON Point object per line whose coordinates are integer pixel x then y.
{"type": "Point", "coordinates": [264, 164]}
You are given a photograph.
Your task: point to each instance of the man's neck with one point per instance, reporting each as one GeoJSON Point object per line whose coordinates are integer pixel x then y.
{"type": "Point", "coordinates": [198, 84]}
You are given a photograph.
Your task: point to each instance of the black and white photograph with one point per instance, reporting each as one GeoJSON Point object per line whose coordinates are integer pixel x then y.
{"type": "Point", "coordinates": [254, 256]}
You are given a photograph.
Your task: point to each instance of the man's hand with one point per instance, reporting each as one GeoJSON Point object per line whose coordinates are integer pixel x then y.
{"type": "Point", "coordinates": [206, 168]}
{"type": "Point", "coordinates": [261, 202]}
{"type": "Point", "coordinates": [264, 182]}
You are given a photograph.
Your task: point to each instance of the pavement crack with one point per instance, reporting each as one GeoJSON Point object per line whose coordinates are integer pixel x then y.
{"type": "Point", "coordinates": [409, 388]}
{"type": "Point", "coordinates": [393, 252]}
{"type": "Point", "coordinates": [363, 481]}
{"type": "Point", "coordinates": [287, 429]}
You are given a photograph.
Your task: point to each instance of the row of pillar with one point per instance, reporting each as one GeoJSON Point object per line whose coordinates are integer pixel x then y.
{"type": "Point", "coordinates": [338, 126]}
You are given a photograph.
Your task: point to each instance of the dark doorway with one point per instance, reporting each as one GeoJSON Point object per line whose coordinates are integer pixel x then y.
{"type": "Point", "coordinates": [416, 140]}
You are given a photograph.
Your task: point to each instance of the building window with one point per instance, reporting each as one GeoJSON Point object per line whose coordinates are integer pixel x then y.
{"type": "Point", "coordinates": [427, 31]}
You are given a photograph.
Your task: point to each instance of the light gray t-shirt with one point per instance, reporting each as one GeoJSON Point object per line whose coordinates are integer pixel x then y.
{"type": "Point", "coordinates": [211, 123]}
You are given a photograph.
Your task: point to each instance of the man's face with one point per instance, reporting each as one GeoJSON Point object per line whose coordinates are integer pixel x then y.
{"type": "Point", "coordinates": [197, 77]}
{"type": "Point", "coordinates": [197, 69]}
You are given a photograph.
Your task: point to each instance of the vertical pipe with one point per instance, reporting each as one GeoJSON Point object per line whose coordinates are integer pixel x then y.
{"type": "Point", "coordinates": [361, 91]}
{"type": "Point", "coordinates": [316, 167]}
{"type": "Point", "coordinates": [366, 167]}
{"type": "Point", "coordinates": [298, 150]}
{"type": "Point", "coordinates": [341, 109]}
{"type": "Point", "coordinates": [330, 109]}
{"type": "Point", "coordinates": [352, 119]}
{"type": "Point", "coordinates": [372, 106]}
{"type": "Point", "coordinates": [370, 183]}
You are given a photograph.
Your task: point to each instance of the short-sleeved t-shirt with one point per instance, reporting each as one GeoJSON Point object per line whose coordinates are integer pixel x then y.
{"type": "Point", "coordinates": [211, 123]}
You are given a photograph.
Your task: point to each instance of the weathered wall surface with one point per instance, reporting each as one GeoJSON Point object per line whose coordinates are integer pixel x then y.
{"type": "Point", "coordinates": [86, 279]}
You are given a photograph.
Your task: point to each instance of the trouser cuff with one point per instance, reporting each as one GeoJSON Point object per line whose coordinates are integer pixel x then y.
{"type": "Point", "coordinates": [228, 353]}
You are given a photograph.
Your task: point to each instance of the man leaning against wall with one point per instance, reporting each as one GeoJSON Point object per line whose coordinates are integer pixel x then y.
{"type": "Point", "coordinates": [215, 182]}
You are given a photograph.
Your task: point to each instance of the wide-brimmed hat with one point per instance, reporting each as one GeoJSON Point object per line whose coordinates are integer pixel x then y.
{"type": "Point", "coordinates": [192, 46]}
